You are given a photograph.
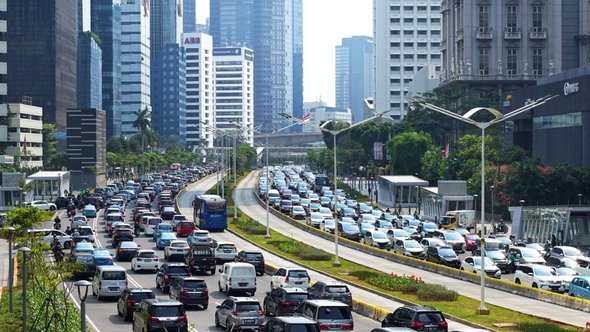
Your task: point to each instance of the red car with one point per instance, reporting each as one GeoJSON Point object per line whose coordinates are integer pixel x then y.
{"type": "Point", "coordinates": [185, 227]}
{"type": "Point", "coordinates": [470, 241]}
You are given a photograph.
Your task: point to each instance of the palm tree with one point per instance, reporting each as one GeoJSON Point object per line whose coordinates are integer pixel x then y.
{"type": "Point", "coordinates": [142, 123]}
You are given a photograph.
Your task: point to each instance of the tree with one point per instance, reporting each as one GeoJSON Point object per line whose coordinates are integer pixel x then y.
{"type": "Point", "coordinates": [142, 123]}
{"type": "Point", "coordinates": [406, 150]}
{"type": "Point", "coordinates": [52, 159]}
{"type": "Point", "coordinates": [23, 219]}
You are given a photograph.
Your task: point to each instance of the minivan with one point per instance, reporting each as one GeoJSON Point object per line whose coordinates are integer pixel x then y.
{"type": "Point", "coordinates": [237, 277]}
{"type": "Point", "coordinates": [109, 280]}
{"type": "Point", "coordinates": [580, 287]}
{"type": "Point", "coordinates": [330, 315]}
{"type": "Point", "coordinates": [90, 211]}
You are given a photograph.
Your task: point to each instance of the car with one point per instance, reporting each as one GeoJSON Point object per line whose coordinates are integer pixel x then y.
{"type": "Point", "coordinates": [567, 275]}
{"type": "Point", "coordinates": [122, 233]}
{"type": "Point", "coordinates": [526, 255]}
{"type": "Point", "coordinates": [443, 255]}
{"type": "Point", "coordinates": [313, 197]}
{"type": "Point", "coordinates": [165, 239]}
{"type": "Point", "coordinates": [85, 233]}
{"type": "Point", "coordinates": [409, 248]}
{"type": "Point", "coordinates": [190, 291]}
{"type": "Point", "coordinates": [366, 218]}
{"type": "Point", "coordinates": [103, 256]}
{"type": "Point", "coordinates": [471, 241]}
{"type": "Point", "coordinates": [285, 206]}
{"type": "Point", "coordinates": [377, 239]}
{"type": "Point", "coordinates": [162, 228]}
{"type": "Point", "coordinates": [583, 266]}
{"type": "Point", "coordinates": [538, 276]}
{"type": "Point", "coordinates": [201, 258]}
{"type": "Point", "coordinates": [431, 242]}
{"type": "Point", "coordinates": [452, 239]}
{"type": "Point", "coordinates": [239, 313]}
{"type": "Point", "coordinates": [331, 290]}
{"type": "Point", "coordinates": [558, 254]}
{"type": "Point", "coordinates": [43, 205]}
{"type": "Point", "coordinates": [282, 301]}
{"type": "Point", "coordinates": [83, 247]}
{"type": "Point", "coordinates": [330, 315]}
{"type": "Point", "coordinates": [314, 207]}
{"type": "Point", "coordinates": [225, 251]}
{"type": "Point", "coordinates": [580, 287]}
{"type": "Point", "coordinates": [199, 236]}
{"type": "Point", "coordinates": [298, 212]}
{"type": "Point", "coordinates": [62, 202]}
{"type": "Point", "coordinates": [77, 221]}
{"type": "Point", "coordinates": [126, 250]}
{"type": "Point", "coordinates": [176, 250]}
{"type": "Point", "coordinates": [167, 213]}
{"type": "Point", "coordinates": [407, 329]}
{"type": "Point", "coordinates": [150, 224]}
{"type": "Point", "coordinates": [89, 211]}
{"type": "Point", "coordinates": [500, 260]}
{"type": "Point", "coordinates": [290, 276]}
{"type": "Point", "coordinates": [87, 266]}
{"type": "Point", "coordinates": [169, 270]}
{"type": "Point", "coordinates": [185, 228]}
{"type": "Point", "coordinates": [290, 324]}
{"type": "Point", "coordinates": [237, 277]}
{"type": "Point", "coordinates": [129, 300]}
{"type": "Point", "coordinates": [253, 257]}
{"type": "Point", "coordinates": [145, 260]}
{"type": "Point", "coordinates": [160, 315]}
{"type": "Point", "coordinates": [349, 231]}
{"type": "Point", "coordinates": [348, 212]}
{"type": "Point", "coordinates": [328, 225]}
{"type": "Point", "coordinates": [315, 219]}
{"type": "Point", "coordinates": [473, 264]}
{"type": "Point", "coordinates": [419, 318]}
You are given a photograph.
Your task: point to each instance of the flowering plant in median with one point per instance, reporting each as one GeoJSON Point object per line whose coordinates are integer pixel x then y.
{"type": "Point", "coordinates": [397, 283]}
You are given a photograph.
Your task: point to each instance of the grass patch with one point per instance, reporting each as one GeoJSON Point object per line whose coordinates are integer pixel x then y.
{"type": "Point", "coordinates": [301, 250]}
{"type": "Point", "coordinates": [48, 215]}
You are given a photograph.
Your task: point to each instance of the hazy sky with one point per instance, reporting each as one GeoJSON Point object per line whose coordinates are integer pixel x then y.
{"type": "Point", "coordinates": [325, 23]}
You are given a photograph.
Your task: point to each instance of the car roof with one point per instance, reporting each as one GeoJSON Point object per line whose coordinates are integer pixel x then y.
{"type": "Point", "coordinates": [139, 290]}
{"type": "Point", "coordinates": [162, 302]}
{"type": "Point", "coordinates": [112, 268]}
{"type": "Point", "coordinates": [327, 302]}
{"type": "Point", "coordinates": [243, 298]}
{"type": "Point", "coordinates": [293, 289]}
{"type": "Point", "coordinates": [421, 308]}
{"type": "Point", "coordinates": [294, 320]}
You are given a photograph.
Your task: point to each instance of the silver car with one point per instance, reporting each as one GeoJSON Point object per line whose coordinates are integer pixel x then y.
{"type": "Point", "coordinates": [239, 313]}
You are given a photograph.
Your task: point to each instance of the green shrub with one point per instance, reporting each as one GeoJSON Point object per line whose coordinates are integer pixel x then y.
{"type": "Point", "coordinates": [393, 282]}
{"type": "Point", "coordinates": [250, 226]}
{"type": "Point", "coordinates": [364, 274]}
{"type": "Point", "coordinates": [313, 254]}
{"type": "Point", "coordinates": [434, 292]}
{"type": "Point", "coordinates": [301, 250]}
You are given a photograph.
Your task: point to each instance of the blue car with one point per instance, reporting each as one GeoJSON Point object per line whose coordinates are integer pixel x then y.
{"type": "Point", "coordinates": [90, 211]}
{"type": "Point", "coordinates": [103, 257]}
{"type": "Point", "coordinates": [83, 247]}
{"type": "Point", "coordinates": [162, 228]}
{"type": "Point", "coordinates": [580, 287]}
{"type": "Point", "coordinates": [165, 239]}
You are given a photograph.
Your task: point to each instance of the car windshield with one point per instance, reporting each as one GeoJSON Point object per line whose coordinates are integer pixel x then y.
{"type": "Point", "coordinates": [447, 252]}
{"type": "Point", "coordinates": [147, 254]}
{"type": "Point", "coordinates": [472, 237]}
{"type": "Point", "coordinates": [138, 296]}
{"type": "Point", "coordinates": [527, 252]}
{"type": "Point", "coordinates": [298, 208]}
{"type": "Point", "coordinates": [248, 306]}
{"type": "Point", "coordinates": [165, 226]}
{"type": "Point", "coordinates": [329, 222]}
{"type": "Point", "coordinates": [544, 271]}
{"type": "Point", "coordinates": [412, 244]}
{"type": "Point", "coordinates": [333, 313]}
{"type": "Point", "coordinates": [297, 274]}
{"type": "Point", "coordinates": [85, 231]}
{"type": "Point", "coordinates": [113, 275]}
{"type": "Point", "coordinates": [566, 271]}
{"type": "Point", "coordinates": [379, 235]}
{"type": "Point", "coordinates": [453, 236]}
{"type": "Point", "coordinates": [195, 284]}
{"type": "Point", "coordinates": [569, 251]}
{"type": "Point", "coordinates": [429, 225]}
{"type": "Point", "coordinates": [368, 217]}
{"type": "Point", "coordinates": [400, 233]}
{"type": "Point", "coordinates": [179, 244]}
{"type": "Point", "coordinates": [495, 254]}
{"type": "Point", "coordinates": [337, 289]}
{"type": "Point", "coordinates": [429, 317]}
{"type": "Point", "coordinates": [535, 246]}
{"type": "Point", "coordinates": [85, 259]}
{"type": "Point", "coordinates": [385, 224]}
{"type": "Point", "coordinates": [317, 216]}
{"type": "Point", "coordinates": [254, 256]}
{"type": "Point", "coordinates": [349, 227]}
{"type": "Point", "coordinates": [167, 311]}
{"type": "Point", "coordinates": [477, 261]}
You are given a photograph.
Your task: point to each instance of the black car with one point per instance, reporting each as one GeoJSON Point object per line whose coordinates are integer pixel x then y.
{"type": "Point", "coordinates": [288, 324]}
{"type": "Point", "coordinates": [122, 234]}
{"type": "Point", "coordinates": [443, 255]}
{"type": "Point", "coordinates": [253, 257]}
{"type": "Point", "coordinates": [62, 202]}
{"type": "Point", "coordinates": [281, 301]}
{"type": "Point", "coordinates": [190, 291]}
{"type": "Point", "coordinates": [561, 256]}
{"type": "Point", "coordinates": [85, 266]}
{"type": "Point", "coordinates": [201, 258]}
{"type": "Point", "coordinates": [419, 318]}
{"type": "Point", "coordinates": [126, 250]}
{"type": "Point", "coordinates": [331, 290]}
{"type": "Point", "coordinates": [160, 315]}
{"type": "Point", "coordinates": [169, 270]}
{"type": "Point", "coordinates": [129, 300]}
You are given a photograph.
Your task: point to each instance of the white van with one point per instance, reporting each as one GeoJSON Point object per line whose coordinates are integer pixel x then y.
{"type": "Point", "coordinates": [237, 277]}
{"type": "Point", "coordinates": [151, 224]}
{"type": "Point", "coordinates": [109, 281]}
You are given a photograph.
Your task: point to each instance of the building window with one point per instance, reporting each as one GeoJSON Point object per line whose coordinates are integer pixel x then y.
{"type": "Point", "coordinates": [484, 61]}
{"type": "Point", "coordinates": [511, 61]}
{"type": "Point", "coordinates": [558, 121]}
{"type": "Point", "coordinates": [484, 17]}
{"type": "Point", "coordinates": [537, 17]}
{"type": "Point", "coordinates": [511, 15]}
{"type": "Point", "coordinates": [537, 61]}
{"type": "Point", "coordinates": [408, 20]}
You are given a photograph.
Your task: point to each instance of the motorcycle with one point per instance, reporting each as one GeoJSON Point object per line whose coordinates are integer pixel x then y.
{"type": "Point", "coordinates": [57, 225]}
{"type": "Point", "coordinates": [58, 253]}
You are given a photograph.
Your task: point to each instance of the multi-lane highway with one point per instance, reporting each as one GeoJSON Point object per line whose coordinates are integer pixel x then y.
{"type": "Point", "coordinates": [245, 199]}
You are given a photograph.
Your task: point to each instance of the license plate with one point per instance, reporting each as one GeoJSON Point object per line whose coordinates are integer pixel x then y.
{"type": "Point", "coordinates": [227, 250]}
{"type": "Point", "coordinates": [249, 321]}
{"type": "Point", "coordinates": [242, 284]}
{"type": "Point", "coordinates": [147, 259]}
{"type": "Point", "coordinates": [113, 289]}
{"type": "Point", "coordinates": [298, 282]}
{"type": "Point", "coordinates": [335, 326]}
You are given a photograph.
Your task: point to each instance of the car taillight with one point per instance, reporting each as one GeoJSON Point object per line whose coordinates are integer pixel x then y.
{"type": "Point", "coordinates": [153, 319]}
{"type": "Point", "coordinates": [286, 303]}
{"type": "Point", "coordinates": [260, 312]}
{"type": "Point", "coordinates": [235, 313]}
{"type": "Point", "coordinates": [443, 324]}
{"type": "Point", "coordinates": [130, 303]}
{"type": "Point", "coordinates": [182, 319]}
{"type": "Point", "coordinates": [287, 279]}
{"type": "Point", "coordinates": [416, 324]}
{"type": "Point", "coordinates": [348, 327]}
{"type": "Point", "coordinates": [324, 327]}
{"type": "Point", "coordinates": [155, 259]}
{"type": "Point", "coordinates": [139, 259]}
{"type": "Point", "coordinates": [183, 292]}
{"type": "Point", "coordinates": [166, 277]}
{"type": "Point", "coordinates": [229, 280]}
{"type": "Point", "coordinates": [120, 250]}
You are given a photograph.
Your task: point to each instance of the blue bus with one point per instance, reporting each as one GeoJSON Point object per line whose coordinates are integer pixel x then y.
{"type": "Point", "coordinates": [210, 212]}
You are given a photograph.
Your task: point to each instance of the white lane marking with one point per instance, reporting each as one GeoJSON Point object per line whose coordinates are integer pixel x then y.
{"type": "Point", "coordinates": [94, 327]}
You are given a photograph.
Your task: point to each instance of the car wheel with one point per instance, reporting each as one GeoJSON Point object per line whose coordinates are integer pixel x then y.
{"type": "Point", "coordinates": [227, 326]}
{"type": "Point", "coordinates": [535, 285]}
{"type": "Point", "coordinates": [52, 208]}
{"type": "Point", "coordinates": [272, 285]}
{"type": "Point", "coordinates": [219, 284]}
{"type": "Point", "coordinates": [157, 284]}
{"type": "Point", "coordinates": [217, 321]}
{"type": "Point", "coordinates": [517, 281]}
{"type": "Point", "coordinates": [212, 271]}
{"type": "Point", "coordinates": [97, 297]}
{"type": "Point", "coordinates": [119, 312]}
{"type": "Point", "coordinates": [205, 306]}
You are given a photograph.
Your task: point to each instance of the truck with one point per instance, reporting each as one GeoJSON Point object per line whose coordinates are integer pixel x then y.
{"type": "Point", "coordinates": [201, 257]}
{"type": "Point", "coordinates": [458, 218]}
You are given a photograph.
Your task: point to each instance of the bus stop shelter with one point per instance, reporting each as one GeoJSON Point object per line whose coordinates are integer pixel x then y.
{"type": "Point", "coordinates": [399, 191]}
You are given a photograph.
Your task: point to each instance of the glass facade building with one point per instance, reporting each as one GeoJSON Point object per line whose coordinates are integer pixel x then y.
{"type": "Point", "coordinates": [189, 15]}
{"type": "Point", "coordinates": [89, 73]}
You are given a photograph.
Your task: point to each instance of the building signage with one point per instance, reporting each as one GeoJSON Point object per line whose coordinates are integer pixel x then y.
{"type": "Point", "coordinates": [227, 51]}
{"type": "Point", "coordinates": [192, 40]}
{"type": "Point", "coordinates": [569, 88]}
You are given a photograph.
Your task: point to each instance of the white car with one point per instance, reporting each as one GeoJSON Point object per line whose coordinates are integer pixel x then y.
{"type": "Point", "coordinates": [199, 236]}
{"type": "Point", "coordinates": [145, 260]}
{"type": "Point", "coordinates": [328, 225]}
{"type": "Point", "coordinates": [473, 264]}
{"type": "Point", "coordinates": [43, 205]}
{"type": "Point", "coordinates": [315, 219]}
{"type": "Point", "coordinates": [177, 249]}
{"type": "Point", "coordinates": [539, 276]}
{"type": "Point", "coordinates": [78, 221]}
{"type": "Point", "coordinates": [583, 266]}
{"type": "Point", "coordinates": [290, 277]}
{"type": "Point", "coordinates": [409, 248]}
{"type": "Point", "coordinates": [48, 234]}
{"type": "Point", "coordinates": [225, 251]}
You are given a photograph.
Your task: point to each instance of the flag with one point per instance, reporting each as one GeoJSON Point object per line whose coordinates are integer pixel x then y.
{"type": "Point", "coordinates": [307, 117]}
{"type": "Point", "coordinates": [447, 146]}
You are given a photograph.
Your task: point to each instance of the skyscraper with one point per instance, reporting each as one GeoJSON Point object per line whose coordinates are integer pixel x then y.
{"type": "Point", "coordinates": [41, 56]}
{"type": "Point", "coordinates": [407, 36]}
{"type": "Point", "coordinates": [89, 71]}
{"type": "Point", "coordinates": [273, 29]}
{"type": "Point", "coordinates": [355, 78]}
{"type": "Point", "coordinates": [189, 15]}
{"type": "Point", "coordinates": [106, 23]}
{"type": "Point", "coordinates": [168, 69]}
{"type": "Point", "coordinates": [135, 62]}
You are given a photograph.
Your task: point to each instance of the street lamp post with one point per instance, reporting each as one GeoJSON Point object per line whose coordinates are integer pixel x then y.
{"type": "Point", "coordinates": [580, 199]}
{"type": "Point", "coordinates": [25, 251]}
{"type": "Point", "coordinates": [498, 117]}
{"type": "Point", "coordinates": [334, 133]}
{"type": "Point", "coordinates": [10, 268]}
{"type": "Point", "coordinates": [492, 194]}
{"type": "Point", "coordinates": [82, 284]}
{"type": "Point", "coordinates": [235, 175]}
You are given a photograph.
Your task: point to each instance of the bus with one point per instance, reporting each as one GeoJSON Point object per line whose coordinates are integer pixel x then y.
{"type": "Point", "coordinates": [210, 212]}
{"type": "Point", "coordinates": [319, 182]}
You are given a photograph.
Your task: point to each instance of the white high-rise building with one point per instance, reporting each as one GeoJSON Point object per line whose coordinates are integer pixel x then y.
{"type": "Point", "coordinates": [234, 89]}
{"type": "Point", "coordinates": [321, 114]}
{"type": "Point", "coordinates": [199, 88]}
{"type": "Point", "coordinates": [407, 36]}
{"type": "Point", "coordinates": [135, 62]}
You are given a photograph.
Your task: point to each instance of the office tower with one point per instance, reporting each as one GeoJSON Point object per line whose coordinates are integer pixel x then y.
{"type": "Point", "coordinates": [354, 74]}
{"type": "Point", "coordinates": [89, 72]}
{"type": "Point", "coordinates": [168, 69]}
{"type": "Point", "coordinates": [189, 15]}
{"type": "Point", "coordinates": [84, 12]}
{"type": "Point", "coordinates": [86, 148]}
{"type": "Point", "coordinates": [199, 89]}
{"type": "Point", "coordinates": [273, 29]}
{"type": "Point", "coordinates": [106, 23]}
{"type": "Point", "coordinates": [234, 89]}
{"type": "Point", "coordinates": [407, 36]}
{"type": "Point", "coordinates": [41, 56]}
{"type": "Point", "coordinates": [321, 114]}
{"type": "Point", "coordinates": [21, 133]}
{"type": "Point", "coordinates": [135, 62]}
{"type": "Point", "coordinates": [3, 65]}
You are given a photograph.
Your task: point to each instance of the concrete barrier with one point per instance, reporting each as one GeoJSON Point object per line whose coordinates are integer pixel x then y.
{"type": "Point", "coordinates": [534, 293]}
